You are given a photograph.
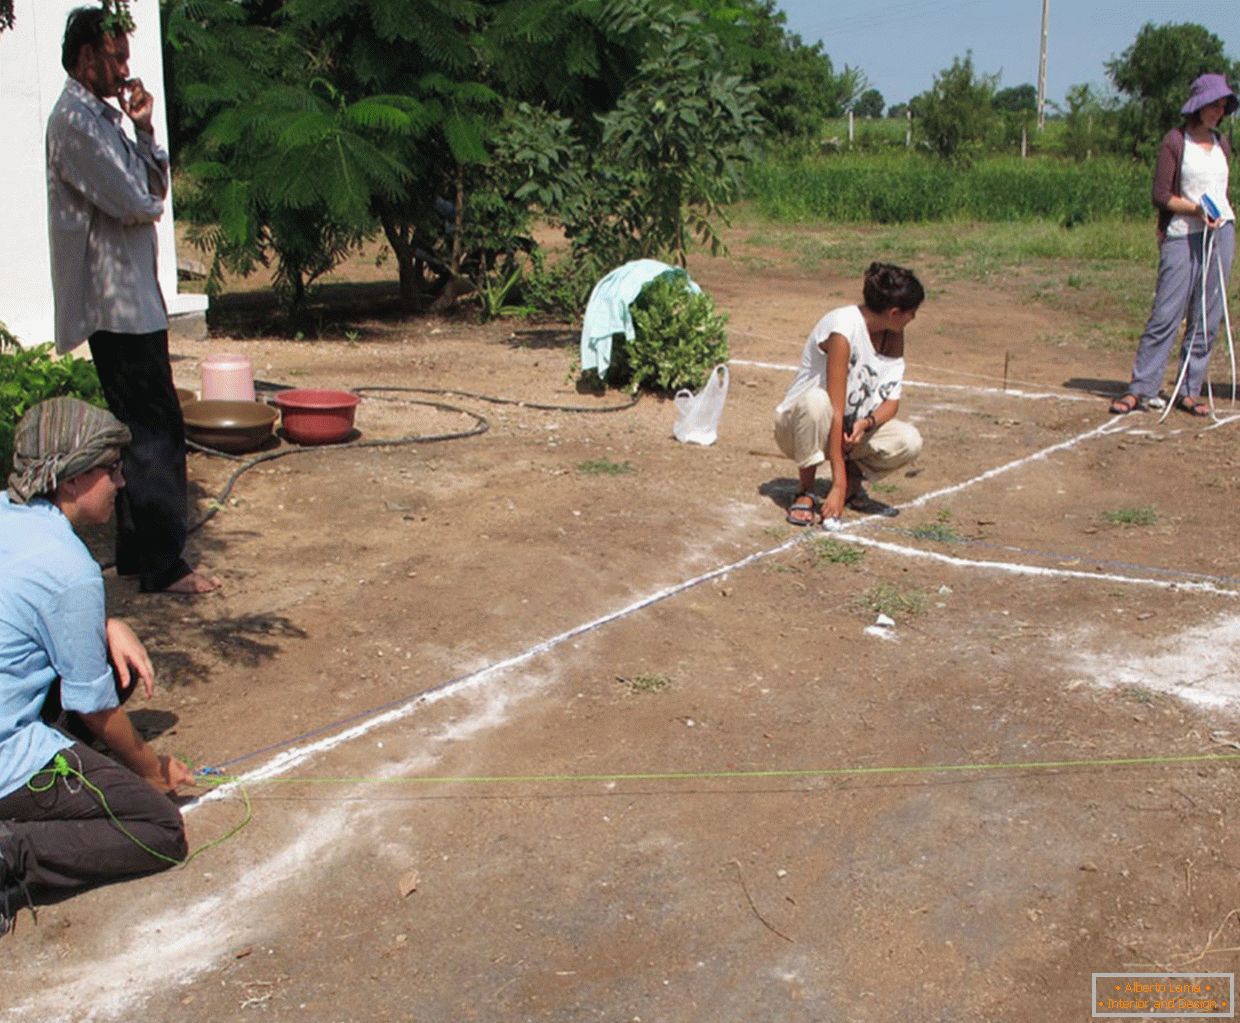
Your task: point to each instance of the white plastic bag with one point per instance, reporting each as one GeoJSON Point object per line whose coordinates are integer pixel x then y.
{"type": "Point", "coordinates": [698, 416]}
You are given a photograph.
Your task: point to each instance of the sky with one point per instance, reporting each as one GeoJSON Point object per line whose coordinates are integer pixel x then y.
{"type": "Point", "coordinates": [902, 44]}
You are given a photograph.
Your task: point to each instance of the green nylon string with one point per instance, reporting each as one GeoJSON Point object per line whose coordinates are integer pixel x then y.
{"type": "Point", "coordinates": [826, 772]}
{"type": "Point", "coordinates": [61, 768]}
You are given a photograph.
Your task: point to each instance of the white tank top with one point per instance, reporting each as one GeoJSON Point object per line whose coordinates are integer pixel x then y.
{"type": "Point", "coordinates": [1202, 172]}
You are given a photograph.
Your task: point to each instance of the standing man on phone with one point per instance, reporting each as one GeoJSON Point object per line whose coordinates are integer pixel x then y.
{"type": "Point", "coordinates": [104, 194]}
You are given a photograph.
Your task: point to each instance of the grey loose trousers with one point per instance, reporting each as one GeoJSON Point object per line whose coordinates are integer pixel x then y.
{"type": "Point", "coordinates": [1177, 297]}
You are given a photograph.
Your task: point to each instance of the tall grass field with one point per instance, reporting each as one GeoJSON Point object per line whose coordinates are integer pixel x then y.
{"type": "Point", "coordinates": [893, 188]}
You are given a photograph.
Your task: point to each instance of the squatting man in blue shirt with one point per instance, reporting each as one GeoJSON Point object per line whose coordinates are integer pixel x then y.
{"type": "Point", "coordinates": [65, 670]}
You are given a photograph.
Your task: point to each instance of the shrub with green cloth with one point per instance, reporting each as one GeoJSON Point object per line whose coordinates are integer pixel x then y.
{"type": "Point", "coordinates": [678, 339]}
{"type": "Point", "coordinates": [31, 375]}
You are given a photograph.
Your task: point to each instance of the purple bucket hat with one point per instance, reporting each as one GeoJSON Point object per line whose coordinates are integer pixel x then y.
{"type": "Point", "coordinates": [1206, 90]}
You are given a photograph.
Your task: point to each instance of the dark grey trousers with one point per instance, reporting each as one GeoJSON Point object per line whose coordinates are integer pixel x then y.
{"type": "Point", "coordinates": [1178, 298]}
{"type": "Point", "coordinates": [64, 838]}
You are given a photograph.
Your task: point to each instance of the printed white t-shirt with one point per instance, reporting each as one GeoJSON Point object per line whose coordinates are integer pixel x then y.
{"type": "Point", "coordinates": [872, 378]}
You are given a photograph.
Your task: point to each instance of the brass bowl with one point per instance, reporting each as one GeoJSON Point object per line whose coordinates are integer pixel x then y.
{"type": "Point", "coordinates": [233, 426]}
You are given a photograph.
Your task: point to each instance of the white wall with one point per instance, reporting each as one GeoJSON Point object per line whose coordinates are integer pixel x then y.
{"type": "Point", "coordinates": [30, 81]}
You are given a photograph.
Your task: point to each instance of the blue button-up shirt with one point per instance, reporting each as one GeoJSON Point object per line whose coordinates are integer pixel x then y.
{"type": "Point", "coordinates": [104, 194]}
{"type": "Point", "coordinates": [52, 625]}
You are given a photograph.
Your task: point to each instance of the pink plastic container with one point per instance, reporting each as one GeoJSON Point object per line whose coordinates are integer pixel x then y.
{"type": "Point", "coordinates": [227, 377]}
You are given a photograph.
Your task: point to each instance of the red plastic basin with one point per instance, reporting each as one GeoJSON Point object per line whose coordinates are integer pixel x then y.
{"type": "Point", "coordinates": [316, 416]}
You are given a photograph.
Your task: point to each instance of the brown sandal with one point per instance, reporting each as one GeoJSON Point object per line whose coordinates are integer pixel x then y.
{"type": "Point", "coordinates": [1128, 403]}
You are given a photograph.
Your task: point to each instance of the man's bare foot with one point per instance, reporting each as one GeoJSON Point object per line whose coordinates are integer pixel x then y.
{"type": "Point", "coordinates": [193, 583]}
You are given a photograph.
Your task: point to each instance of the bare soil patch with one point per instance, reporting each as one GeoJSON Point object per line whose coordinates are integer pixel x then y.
{"type": "Point", "coordinates": [683, 851]}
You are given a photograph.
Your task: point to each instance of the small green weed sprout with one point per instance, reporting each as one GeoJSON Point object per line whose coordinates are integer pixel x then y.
{"type": "Point", "coordinates": [836, 552]}
{"type": "Point", "coordinates": [890, 600]}
{"type": "Point", "coordinates": [604, 467]}
{"type": "Point", "coordinates": [1138, 694]}
{"type": "Point", "coordinates": [940, 531]}
{"type": "Point", "coordinates": [1146, 515]}
{"type": "Point", "coordinates": [647, 682]}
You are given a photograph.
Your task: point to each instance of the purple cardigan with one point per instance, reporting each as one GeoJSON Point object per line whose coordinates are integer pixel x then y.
{"type": "Point", "coordinates": [1167, 173]}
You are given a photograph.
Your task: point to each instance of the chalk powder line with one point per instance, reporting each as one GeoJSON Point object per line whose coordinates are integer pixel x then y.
{"type": "Point", "coordinates": [296, 755]}
{"type": "Point", "coordinates": [124, 994]}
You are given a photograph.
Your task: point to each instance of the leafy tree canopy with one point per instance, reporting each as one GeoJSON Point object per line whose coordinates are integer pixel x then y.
{"type": "Point", "coordinates": [957, 116]}
{"type": "Point", "coordinates": [869, 104]}
{"type": "Point", "coordinates": [450, 124]}
{"type": "Point", "coordinates": [1017, 99]}
{"type": "Point", "coordinates": [797, 84]}
{"type": "Point", "coordinates": [1155, 73]}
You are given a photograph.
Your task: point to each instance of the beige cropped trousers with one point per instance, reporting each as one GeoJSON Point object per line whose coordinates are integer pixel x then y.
{"type": "Point", "coordinates": [803, 429]}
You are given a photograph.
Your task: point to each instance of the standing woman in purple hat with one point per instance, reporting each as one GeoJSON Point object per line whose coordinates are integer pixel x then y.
{"type": "Point", "coordinates": [1192, 164]}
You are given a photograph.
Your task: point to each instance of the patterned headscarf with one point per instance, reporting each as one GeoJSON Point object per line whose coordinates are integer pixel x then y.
{"type": "Point", "coordinates": [58, 439]}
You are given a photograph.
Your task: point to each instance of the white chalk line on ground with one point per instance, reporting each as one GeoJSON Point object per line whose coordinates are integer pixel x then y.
{"type": "Point", "coordinates": [1015, 568]}
{"type": "Point", "coordinates": [284, 762]}
{"type": "Point", "coordinates": [1010, 392]}
{"type": "Point", "coordinates": [293, 757]}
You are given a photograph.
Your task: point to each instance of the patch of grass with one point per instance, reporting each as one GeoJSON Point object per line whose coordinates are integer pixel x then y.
{"type": "Point", "coordinates": [782, 569]}
{"type": "Point", "coordinates": [1146, 515]}
{"type": "Point", "coordinates": [1107, 337]}
{"type": "Point", "coordinates": [757, 263]}
{"type": "Point", "coordinates": [1138, 694]}
{"type": "Point", "coordinates": [647, 682]}
{"type": "Point", "coordinates": [890, 600]}
{"type": "Point", "coordinates": [836, 552]}
{"type": "Point", "coordinates": [940, 531]}
{"type": "Point", "coordinates": [899, 187]}
{"type": "Point", "coordinates": [604, 467]}
{"type": "Point", "coordinates": [812, 253]}
{"type": "Point", "coordinates": [883, 488]}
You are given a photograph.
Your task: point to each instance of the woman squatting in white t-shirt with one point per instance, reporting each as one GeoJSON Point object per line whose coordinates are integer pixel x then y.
{"type": "Point", "coordinates": [842, 406]}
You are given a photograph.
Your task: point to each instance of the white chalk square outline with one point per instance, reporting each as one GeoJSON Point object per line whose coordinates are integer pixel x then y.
{"type": "Point", "coordinates": [1189, 1014]}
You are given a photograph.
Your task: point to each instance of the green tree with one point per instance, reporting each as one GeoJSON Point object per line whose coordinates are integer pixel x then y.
{"type": "Point", "coordinates": [1155, 73]}
{"type": "Point", "coordinates": [1087, 129]}
{"type": "Point", "coordinates": [1017, 99]}
{"type": "Point", "coordinates": [869, 104]}
{"type": "Point", "coordinates": [449, 124]}
{"type": "Point", "coordinates": [673, 149]}
{"type": "Point", "coordinates": [351, 115]}
{"type": "Point", "coordinates": [797, 84]}
{"type": "Point", "coordinates": [119, 9]}
{"type": "Point", "coordinates": [957, 118]}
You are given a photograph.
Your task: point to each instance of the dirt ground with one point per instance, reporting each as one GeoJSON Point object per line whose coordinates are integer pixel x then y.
{"type": "Point", "coordinates": [605, 807]}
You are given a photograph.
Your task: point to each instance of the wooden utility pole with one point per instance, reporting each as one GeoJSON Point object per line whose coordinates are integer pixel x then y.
{"type": "Point", "coordinates": [1042, 67]}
